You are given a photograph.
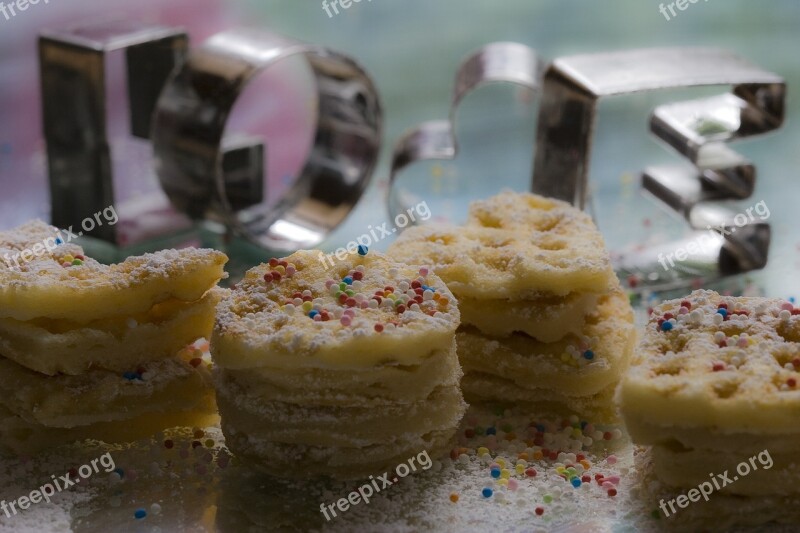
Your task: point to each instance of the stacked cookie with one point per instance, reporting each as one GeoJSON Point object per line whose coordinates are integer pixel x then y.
{"type": "Point", "coordinates": [89, 351]}
{"type": "Point", "coordinates": [345, 372]}
{"type": "Point", "coordinates": [544, 321]}
{"type": "Point", "coordinates": [715, 389]}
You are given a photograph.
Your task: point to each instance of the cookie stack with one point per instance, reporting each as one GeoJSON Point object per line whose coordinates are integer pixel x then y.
{"type": "Point", "coordinates": [544, 321]}
{"type": "Point", "coordinates": [89, 351]}
{"type": "Point", "coordinates": [344, 371]}
{"type": "Point", "coordinates": [714, 387]}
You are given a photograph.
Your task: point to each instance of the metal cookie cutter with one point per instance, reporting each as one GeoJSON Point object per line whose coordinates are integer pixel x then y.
{"type": "Point", "coordinates": [697, 129]}
{"type": "Point", "coordinates": [189, 145]}
{"type": "Point", "coordinates": [75, 101]}
{"type": "Point", "coordinates": [496, 62]}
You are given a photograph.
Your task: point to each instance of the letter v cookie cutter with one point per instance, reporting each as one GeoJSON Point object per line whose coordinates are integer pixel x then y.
{"type": "Point", "coordinates": [436, 139]}
{"type": "Point", "coordinates": [697, 129]}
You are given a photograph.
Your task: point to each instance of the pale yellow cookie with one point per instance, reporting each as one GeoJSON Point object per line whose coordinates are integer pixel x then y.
{"type": "Point", "coordinates": [487, 388]}
{"type": "Point", "coordinates": [758, 471]}
{"type": "Point", "coordinates": [546, 318]}
{"type": "Point", "coordinates": [337, 369]}
{"type": "Point", "coordinates": [169, 385]}
{"type": "Point", "coordinates": [525, 211]}
{"type": "Point", "coordinates": [721, 511]}
{"type": "Point", "coordinates": [305, 461]}
{"type": "Point", "coordinates": [391, 383]}
{"type": "Point", "coordinates": [339, 426]}
{"type": "Point", "coordinates": [710, 438]}
{"type": "Point", "coordinates": [731, 370]}
{"type": "Point", "coordinates": [49, 285]}
{"type": "Point", "coordinates": [490, 263]}
{"type": "Point", "coordinates": [23, 438]}
{"type": "Point", "coordinates": [513, 246]}
{"type": "Point", "coordinates": [53, 346]}
{"type": "Point", "coordinates": [268, 323]}
{"type": "Point", "coordinates": [577, 365]}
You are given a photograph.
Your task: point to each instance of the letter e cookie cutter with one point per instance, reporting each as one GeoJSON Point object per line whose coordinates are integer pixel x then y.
{"type": "Point", "coordinates": [698, 129]}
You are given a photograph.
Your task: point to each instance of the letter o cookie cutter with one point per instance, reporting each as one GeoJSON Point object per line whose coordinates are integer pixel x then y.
{"type": "Point", "coordinates": [188, 140]}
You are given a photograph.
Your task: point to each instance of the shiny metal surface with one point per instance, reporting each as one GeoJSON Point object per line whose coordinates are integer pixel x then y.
{"type": "Point", "coordinates": [189, 145]}
{"type": "Point", "coordinates": [574, 85]}
{"type": "Point", "coordinates": [696, 129]}
{"type": "Point", "coordinates": [73, 69]}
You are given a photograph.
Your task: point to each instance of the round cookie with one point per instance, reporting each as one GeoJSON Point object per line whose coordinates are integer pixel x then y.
{"type": "Point", "coordinates": [491, 263]}
{"type": "Point", "coordinates": [513, 246]}
{"type": "Point", "coordinates": [390, 384]}
{"type": "Point", "coordinates": [340, 371]}
{"type": "Point", "coordinates": [732, 364]}
{"type": "Point", "coordinates": [62, 283]}
{"type": "Point", "coordinates": [363, 311]}
{"type": "Point", "coordinates": [168, 385]}
{"type": "Point", "coordinates": [576, 365]}
{"type": "Point", "coordinates": [117, 344]}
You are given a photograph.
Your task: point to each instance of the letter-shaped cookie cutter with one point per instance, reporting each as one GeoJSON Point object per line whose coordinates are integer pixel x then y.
{"type": "Point", "coordinates": [74, 109]}
{"type": "Point", "coordinates": [188, 139]}
{"type": "Point", "coordinates": [698, 129]}
{"type": "Point", "coordinates": [436, 139]}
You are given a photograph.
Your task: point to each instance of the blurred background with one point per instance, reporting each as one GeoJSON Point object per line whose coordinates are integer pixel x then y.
{"type": "Point", "coordinates": [412, 49]}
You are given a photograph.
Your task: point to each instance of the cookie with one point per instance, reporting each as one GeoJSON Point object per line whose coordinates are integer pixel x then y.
{"type": "Point", "coordinates": [577, 365]}
{"type": "Point", "coordinates": [712, 384]}
{"type": "Point", "coordinates": [338, 426]}
{"type": "Point", "coordinates": [490, 263]}
{"type": "Point", "coordinates": [546, 318]}
{"type": "Point", "coordinates": [168, 385]}
{"type": "Point", "coordinates": [755, 472]}
{"type": "Point", "coordinates": [524, 211]}
{"type": "Point", "coordinates": [722, 511]}
{"type": "Point", "coordinates": [513, 246]}
{"type": "Point", "coordinates": [716, 362]}
{"type": "Point", "coordinates": [337, 371]}
{"type": "Point", "coordinates": [309, 461]}
{"type": "Point", "coordinates": [484, 388]}
{"type": "Point", "coordinates": [60, 282]}
{"type": "Point", "coordinates": [364, 311]}
{"type": "Point", "coordinates": [51, 346]}
{"type": "Point", "coordinates": [19, 437]}
{"type": "Point", "coordinates": [391, 383]}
